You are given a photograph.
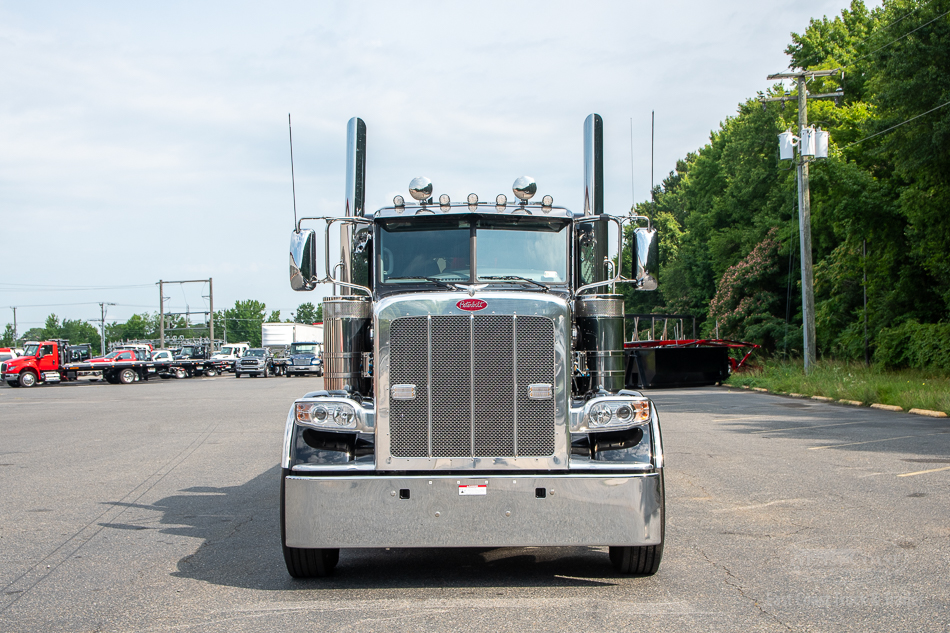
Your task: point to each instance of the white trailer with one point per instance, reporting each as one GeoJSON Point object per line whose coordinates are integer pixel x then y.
{"type": "Point", "coordinates": [283, 334]}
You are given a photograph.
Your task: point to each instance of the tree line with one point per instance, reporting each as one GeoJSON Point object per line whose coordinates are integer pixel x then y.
{"type": "Point", "coordinates": [240, 323]}
{"type": "Point", "coordinates": [728, 220]}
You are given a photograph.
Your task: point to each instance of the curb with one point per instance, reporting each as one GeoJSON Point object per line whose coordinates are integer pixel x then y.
{"type": "Point", "coordinates": [823, 398]}
{"type": "Point", "coordinates": [853, 403]}
{"type": "Point", "coordinates": [886, 407]}
{"type": "Point", "coordinates": [929, 413]}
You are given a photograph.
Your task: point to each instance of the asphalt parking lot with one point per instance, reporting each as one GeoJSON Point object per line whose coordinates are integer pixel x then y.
{"type": "Point", "coordinates": [154, 507]}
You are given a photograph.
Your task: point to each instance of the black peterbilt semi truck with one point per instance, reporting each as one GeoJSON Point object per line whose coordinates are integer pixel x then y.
{"type": "Point", "coordinates": [474, 378]}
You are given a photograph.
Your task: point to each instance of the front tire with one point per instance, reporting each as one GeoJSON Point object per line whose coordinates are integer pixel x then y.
{"type": "Point", "coordinates": [642, 560]}
{"type": "Point", "coordinates": [211, 372]}
{"type": "Point", "coordinates": [639, 561]}
{"type": "Point", "coordinates": [26, 379]}
{"type": "Point", "coordinates": [302, 562]}
{"type": "Point", "coordinates": [237, 374]}
{"type": "Point", "coordinates": [13, 383]}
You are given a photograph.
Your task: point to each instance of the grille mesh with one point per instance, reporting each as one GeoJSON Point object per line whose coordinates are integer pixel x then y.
{"type": "Point", "coordinates": [409, 364]}
{"type": "Point", "coordinates": [479, 369]}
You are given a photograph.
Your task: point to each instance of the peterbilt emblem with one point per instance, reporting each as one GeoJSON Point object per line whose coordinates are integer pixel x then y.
{"type": "Point", "coordinates": [471, 305]}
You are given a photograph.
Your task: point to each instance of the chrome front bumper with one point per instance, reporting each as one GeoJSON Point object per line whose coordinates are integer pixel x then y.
{"type": "Point", "coordinates": [373, 511]}
{"type": "Point", "coordinates": [303, 369]}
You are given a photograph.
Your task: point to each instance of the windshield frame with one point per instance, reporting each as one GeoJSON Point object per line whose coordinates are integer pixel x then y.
{"type": "Point", "coordinates": [475, 222]}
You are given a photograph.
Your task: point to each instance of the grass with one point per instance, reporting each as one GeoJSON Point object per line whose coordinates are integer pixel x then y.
{"type": "Point", "coordinates": [908, 389]}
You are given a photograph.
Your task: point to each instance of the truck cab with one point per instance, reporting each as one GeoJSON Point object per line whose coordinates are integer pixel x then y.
{"type": "Point", "coordinates": [256, 361]}
{"type": "Point", "coordinates": [231, 351]}
{"type": "Point", "coordinates": [305, 358]}
{"type": "Point", "coordinates": [474, 378]}
{"type": "Point", "coordinates": [192, 352]}
{"type": "Point", "coordinates": [41, 362]}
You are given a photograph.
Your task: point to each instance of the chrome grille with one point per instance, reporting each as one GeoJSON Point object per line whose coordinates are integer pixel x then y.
{"type": "Point", "coordinates": [301, 361]}
{"type": "Point", "coordinates": [479, 368]}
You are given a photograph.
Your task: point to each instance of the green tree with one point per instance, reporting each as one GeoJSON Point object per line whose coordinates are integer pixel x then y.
{"type": "Point", "coordinates": [244, 321]}
{"type": "Point", "coordinates": [307, 313]}
{"type": "Point", "coordinates": [7, 339]}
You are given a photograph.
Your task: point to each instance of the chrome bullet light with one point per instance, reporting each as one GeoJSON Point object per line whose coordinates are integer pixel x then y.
{"type": "Point", "coordinates": [399, 201]}
{"type": "Point", "coordinates": [525, 187]}
{"type": "Point", "coordinates": [547, 202]}
{"type": "Point", "coordinates": [420, 188]}
{"type": "Point", "coordinates": [444, 202]}
{"type": "Point", "coordinates": [501, 201]}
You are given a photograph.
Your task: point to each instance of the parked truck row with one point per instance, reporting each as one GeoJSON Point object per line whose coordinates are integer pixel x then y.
{"type": "Point", "coordinates": [290, 349]}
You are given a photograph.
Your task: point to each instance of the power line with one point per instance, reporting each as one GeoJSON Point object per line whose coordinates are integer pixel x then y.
{"type": "Point", "coordinates": [61, 288]}
{"type": "Point", "coordinates": [896, 126]}
{"type": "Point", "coordinates": [896, 40]}
{"type": "Point", "coordinates": [890, 24]}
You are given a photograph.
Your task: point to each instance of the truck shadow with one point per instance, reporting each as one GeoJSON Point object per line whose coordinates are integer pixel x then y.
{"type": "Point", "coordinates": [239, 532]}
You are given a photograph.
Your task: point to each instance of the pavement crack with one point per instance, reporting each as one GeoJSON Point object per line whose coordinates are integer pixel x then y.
{"type": "Point", "coordinates": [736, 583]}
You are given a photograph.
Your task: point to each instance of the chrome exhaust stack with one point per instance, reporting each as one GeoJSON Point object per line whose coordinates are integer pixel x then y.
{"type": "Point", "coordinates": [592, 259]}
{"type": "Point", "coordinates": [355, 191]}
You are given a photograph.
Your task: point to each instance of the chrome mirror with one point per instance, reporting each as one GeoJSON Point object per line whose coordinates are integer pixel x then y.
{"type": "Point", "coordinates": [646, 258]}
{"type": "Point", "coordinates": [303, 258]}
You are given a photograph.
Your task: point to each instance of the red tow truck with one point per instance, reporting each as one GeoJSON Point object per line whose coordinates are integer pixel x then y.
{"type": "Point", "coordinates": [40, 362]}
{"type": "Point", "coordinates": [48, 362]}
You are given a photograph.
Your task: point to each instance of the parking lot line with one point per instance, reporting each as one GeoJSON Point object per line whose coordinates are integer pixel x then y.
{"type": "Point", "coordinates": [889, 439]}
{"type": "Point", "coordinates": [924, 472]}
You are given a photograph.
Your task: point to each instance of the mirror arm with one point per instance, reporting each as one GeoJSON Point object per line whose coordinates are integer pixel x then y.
{"type": "Point", "coordinates": [329, 279]}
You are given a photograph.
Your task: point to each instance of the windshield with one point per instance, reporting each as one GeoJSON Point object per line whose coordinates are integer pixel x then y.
{"type": "Point", "coordinates": [539, 255]}
{"type": "Point", "coordinates": [533, 249]}
{"type": "Point", "coordinates": [410, 252]}
{"type": "Point", "coordinates": [255, 352]}
{"type": "Point", "coordinates": [304, 348]}
{"type": "Point", "coordinates": [30, 349]}
{"type": "Point", "coordinates": [227, 351]}
{"type": "Point", "coordinates": [187, 350]}
{"type": "Point", "coordinates": [111, 355]}
{"type": "Point", "coordinates": [5, 356]}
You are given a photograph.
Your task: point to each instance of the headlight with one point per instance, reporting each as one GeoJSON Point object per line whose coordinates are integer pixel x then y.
{"type": "Point", "coordinates": [332, 415]}
{"type": "Point", "coordinates": [314, 361]}
{"type": "Point", "coordinates": [599, 415]}
{"type": "Point", "coordinates": [611, 413]}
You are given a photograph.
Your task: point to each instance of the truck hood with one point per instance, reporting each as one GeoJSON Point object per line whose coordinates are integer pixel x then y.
{"type": "Point", "coordinates": [19, 361]}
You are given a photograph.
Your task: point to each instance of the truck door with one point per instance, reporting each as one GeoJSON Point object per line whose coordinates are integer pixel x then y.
{"type": "Point", "coordinates": [48, 360]}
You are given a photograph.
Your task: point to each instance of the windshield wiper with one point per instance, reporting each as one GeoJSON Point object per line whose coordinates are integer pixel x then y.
{"type": "Point", "coordinates": [517, 278]}
{"type": "Point", "coordinates": [435, 280]}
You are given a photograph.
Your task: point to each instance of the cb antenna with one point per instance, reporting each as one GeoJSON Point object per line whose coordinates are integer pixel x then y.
{"type": "Point", "coordinates": [293, 187]}
{"type": "Point", "coordinates": [633, 197]}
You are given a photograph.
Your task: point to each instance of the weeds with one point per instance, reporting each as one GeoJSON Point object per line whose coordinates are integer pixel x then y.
{"type": "Point", "coordinates": [909, 388]}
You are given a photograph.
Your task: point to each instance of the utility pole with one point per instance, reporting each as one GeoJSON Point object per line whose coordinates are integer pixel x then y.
{"type": "Point", "coordinates": [14, 326]}
{"type": "Point", "coordinates": [211, 315]}
{"type": "Point", "coordinates": [804, 206]}
{"type": "Point", "coordinates": [161, 313]}
{"type": "Point", "coordinates": [102, 339]}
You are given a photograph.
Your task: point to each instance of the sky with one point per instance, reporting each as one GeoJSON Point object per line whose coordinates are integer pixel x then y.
{"type": "Point", "coordinates": [148, 141]}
